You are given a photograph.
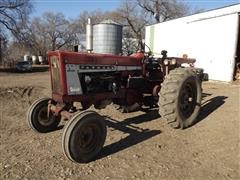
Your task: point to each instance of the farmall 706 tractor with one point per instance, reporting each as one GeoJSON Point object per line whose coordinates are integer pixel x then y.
{"type": "Point", "coordinates": [100, 79]}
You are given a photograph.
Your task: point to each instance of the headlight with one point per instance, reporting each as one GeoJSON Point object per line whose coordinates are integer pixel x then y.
{"type": "Point", "coordinates": [165, 62]}
{"type": "Point", "coordinates": [173, 61]}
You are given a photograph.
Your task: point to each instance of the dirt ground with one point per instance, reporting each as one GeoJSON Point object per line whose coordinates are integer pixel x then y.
{"type": "Point", "coordinates": [139, 145]}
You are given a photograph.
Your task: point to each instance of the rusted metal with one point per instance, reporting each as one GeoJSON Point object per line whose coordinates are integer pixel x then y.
{"type": "Point", "coordinates": [66, 115]}
{"type": "Point", "coordinates": [58, 110]}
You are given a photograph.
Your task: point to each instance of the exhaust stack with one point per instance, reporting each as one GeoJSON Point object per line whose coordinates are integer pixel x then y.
{"type": "Point", "coordinates": [89, 36]}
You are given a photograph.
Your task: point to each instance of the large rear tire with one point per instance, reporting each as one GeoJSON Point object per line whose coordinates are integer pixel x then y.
{"type": "Point", "coordinates": [180, 98]}
{"type": "Point", "coordinates": [84, 137]}
{"type": "Point", "coordinates": [38, 119]}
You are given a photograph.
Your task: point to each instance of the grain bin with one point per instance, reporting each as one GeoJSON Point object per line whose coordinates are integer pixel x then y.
{"type": "Point", "coordinates": [34, 59]}
{"type": "Point", "coordinates": [107, 38]}
{"type": "Point", "coordinates": [40, 59]}
{"type": "Point", "coordinates": [26, 57]}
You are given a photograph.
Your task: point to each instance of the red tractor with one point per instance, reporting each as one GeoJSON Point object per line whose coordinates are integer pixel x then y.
{"type": "Point", "coordinates": [127, 81]}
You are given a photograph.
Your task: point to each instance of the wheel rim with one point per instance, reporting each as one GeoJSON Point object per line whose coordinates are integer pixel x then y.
{"type": "Point", "coordinates": [43, 118]}
{"type": "Point", "coordinates": [87, 138]}
{"type": "Point", "coordinates": [187, 102]}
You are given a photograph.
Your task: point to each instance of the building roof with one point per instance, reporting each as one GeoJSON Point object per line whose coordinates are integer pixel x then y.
{"type": "Point", "coordinates": [219, 12]}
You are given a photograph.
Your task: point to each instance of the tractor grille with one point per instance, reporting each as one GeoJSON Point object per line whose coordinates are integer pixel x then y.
{"type": "Point", "coordinates": [55, 74]}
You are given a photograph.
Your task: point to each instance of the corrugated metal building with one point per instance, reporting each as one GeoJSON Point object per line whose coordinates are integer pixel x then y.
{"type": "Point", "coordinates": [211, 37]}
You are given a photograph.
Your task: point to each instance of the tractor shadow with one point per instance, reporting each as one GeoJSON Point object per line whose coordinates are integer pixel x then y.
{"type": "Point", "coordinates": [136, 134]}
{"type": "Point", "coordinates": [209, 106]}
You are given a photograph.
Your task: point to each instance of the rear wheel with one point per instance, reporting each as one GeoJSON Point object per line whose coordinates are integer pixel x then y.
{"type": "Point", "coordinates": [84, 136]}
{"type": "Point", "coordinates": [38, 118]}
{"type": "Point", "coordinates": [180, 98]}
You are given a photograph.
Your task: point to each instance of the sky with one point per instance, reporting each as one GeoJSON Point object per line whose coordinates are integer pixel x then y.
{"type": "Point", "coordinates": [72, 8]}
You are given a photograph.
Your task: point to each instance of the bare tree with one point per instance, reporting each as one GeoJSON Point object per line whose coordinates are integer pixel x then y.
{"type": "Point", "coordinates": [134, 19]}
{"type": "Point", "coordinates": [3, 44]}
{"type": "Point", "coordinates": [163, 10]}
{"type": "Point", "coordinates": [38, 40]}
{"type": "Point", "coordinates": [136, 14]}
{"type": "Point", "coordinates": [56, 28]}
{"type": "Point", "coordinates": [13, 13]}
{"type": "Point", "coordinates": [50, 32]}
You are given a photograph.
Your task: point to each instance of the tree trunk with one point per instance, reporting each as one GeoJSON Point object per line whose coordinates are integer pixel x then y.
{"type": "Point", "coordinates": [1, 51]}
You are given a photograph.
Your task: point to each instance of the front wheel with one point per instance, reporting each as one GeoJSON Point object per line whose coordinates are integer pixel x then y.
{"type": "Point", "coordinates": [84, 136]}
{"type": "Point", "coordinates": [180, 97]}
{"type": "Point", "coordinates": [38, 118]}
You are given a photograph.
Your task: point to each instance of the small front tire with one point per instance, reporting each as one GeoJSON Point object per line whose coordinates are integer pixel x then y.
{"type": "Point", "coordinates": [84, 137]}
{"type": "Point", "coordinates": [38, 118]}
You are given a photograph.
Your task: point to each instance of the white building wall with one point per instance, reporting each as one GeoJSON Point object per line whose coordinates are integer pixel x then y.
{"type": "Point", "coordinates": [210, 37]}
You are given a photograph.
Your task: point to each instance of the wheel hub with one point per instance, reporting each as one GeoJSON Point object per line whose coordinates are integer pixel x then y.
{"type": "Point", "coordinates": [43, 117]}
{"type": "Point", "coordinates": [187, 100]}
{"type": "Point", "coordinates": [88, 137]}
